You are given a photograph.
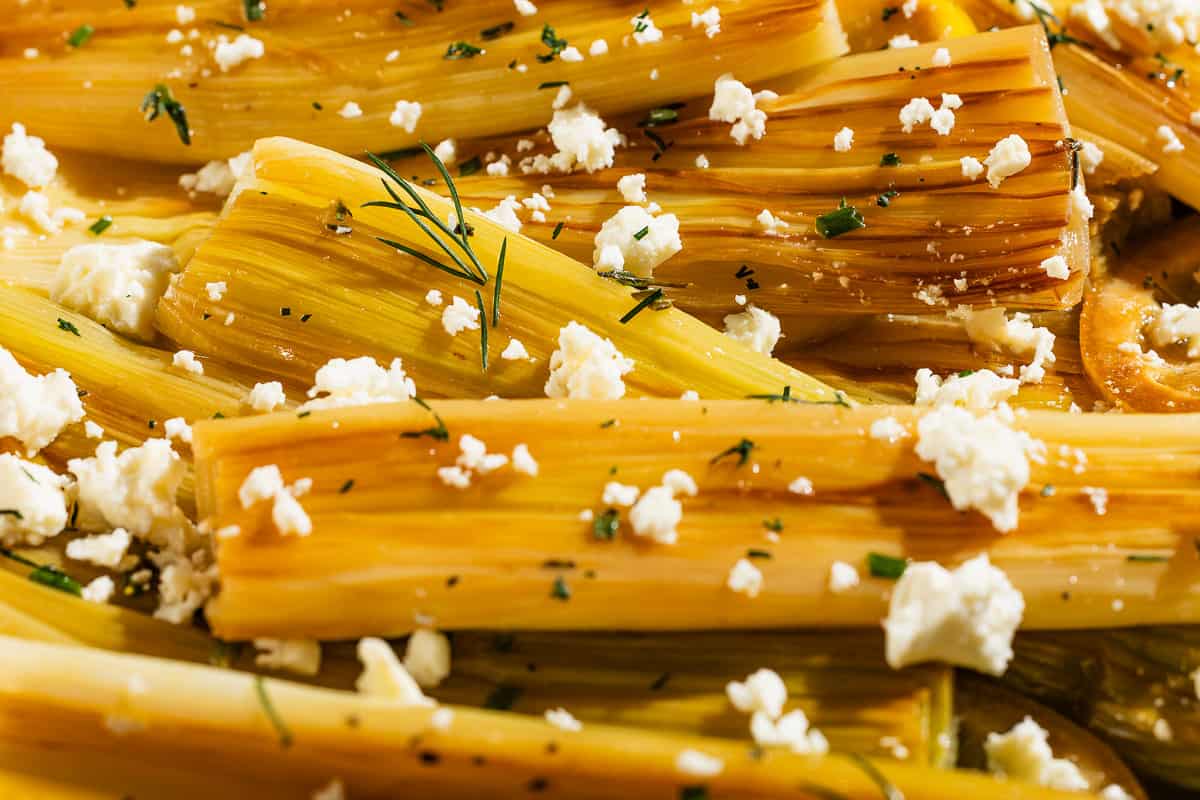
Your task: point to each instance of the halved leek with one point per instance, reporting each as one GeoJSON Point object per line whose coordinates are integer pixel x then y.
{"type": "Point", "coordinates": [399, 545]}
{"type": "Point", "coordinates": [317, 57]}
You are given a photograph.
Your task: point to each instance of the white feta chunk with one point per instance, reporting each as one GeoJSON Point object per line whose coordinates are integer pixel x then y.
{"type": "Point", "coordinates": [117, 285]}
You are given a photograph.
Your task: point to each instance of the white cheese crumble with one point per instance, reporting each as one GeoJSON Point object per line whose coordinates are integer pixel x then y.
{"type": "Point", "coordinates": [902, 41]}
{"type": "Point", "coordinates": [216, 290]}
{"type": "Point", "coordinates": [1090, 157]}
{"type": "Point", "coordinates": [570, 55]}
{"type": "Point", "coordinates": [586, 367]}
{"type": "Point", "coordinates": [447, 151]}
{"type": "Point", "coordinates": [289, 516]}
{"type": "Point", "coordinates": [1017, 335]}
{"type": "Point", "coordinates": [972, 167]}
{"type": "Point", "coordinates": [763, 690]}
{"type": "Point", "coordinates": [1169, 138]}
{"type": "Point", "coordinates": [698, 765]}
{"type": "Point", "coordinates": [27, 159]}
{"type": "Point", "coordinates": [744, 578]}
{"type": "Point", "coordinates": [441, 719]}
{"type": "Point", "coordinates": [1176, 323]}
{"type": "Point", "coordinates": [563, 720]}
{"type": "Point", "coordinates": [177, 428]}
{"type": "Point", "coordinates": [756, 328]}
{"type": "Point", "coordinates": [525, 8]}
{"type": "Point", "coordinates": [34, 409]}
{"type": "Point", "coordinates": [261, 483]}
{"type": "Point", "coordinates": [34, 497]}
{"type": "Point", "coordinates": [710, 20]}
{"type": "Point", "coordinates": [186, 361]}
{"type": "Point", "coordinates": [888, 428]}
{"type": "Point", "coordinates": [301, 656]}
{"type": "Point", "coordinates": [504, 214]}
{"type": "Point", "coordinates": [427, 657]}
{"type": "Point", "coordinates": [357, 382]}
{"type": "Point", "coordinates": [405, 115]}
{"type": "Point", "coordinates": [1056, 267]}
{"type": "Point", "coordinates": [99, 590]}
{"type": "Point", "coordinates": [734, 102]}
{"type": "Point", "coordinates": [523, 461]}
{"type": "Point", "coordinates": [598, 48]}
{"type": "Point", "coordinates": [982, 460]}
{"type": "Point", "coordinates": [842, 577]}
{"type": "Point", "coordinates": [1023, 754]}
{"type": "Point", "coordinates": [133, 490]}
{"type": "Point", "coordinates": [644, 29]}
{"type": "Point", "coordinates": [433, 297]}
{"type": "Point", "coordinates": [232, 54]}
{"type": "Point", "coordinates": [941, 57]}
{"type": "Point", "coordinates": [632, 187]}
{"type": "Point", "coordinates": [981, 390]}
{"type": "Point", "coordinates": [580, 138]}
{"type": "Point", "coordinates": [656, 515]}
{"type": "Point", "coordinates": [266, 397]}
{"type": "Point", "coordinates": [103, 550]}
{"type": "Point", "coordinates": [1080, 201]}
{"type": "Point", "coordinates": [185, 14]}
{"type": "Point", "coordinates": [460, 316]}
{"type": "Point", "coordinates": [1009, 156]}
{"type": "Point", "coordinates": [801, 486]}
{"type": "Point", "coordinates": [619, 494]}
{"type": "Point", "coordinates": [702, 161]}
{"type": "Point", "coordinates": [473, 455]}
{"type": "Point", "coordinates": [843, 140]}
{"type": "Point", "coordinates": [351, 110]}
{"type": "Point", "coordinates": [92, 430]}
{"type": "Point", "coordinates": [217, 177]}
{"type": "Point", "coordinates": [117, 285]}
{"type": "Point", "coordinates": [499, 168]}
{"type": "Point", "coordinates": [384, 677]}
{"type": "Point", "coordinates": [966, 617]}
{"type": "Point", "coordinates": [617, 245]}
{"type": "Point", "coordinates": [514, 351]}
{"type": "Point", "coordinates": [771, 223]}
{"type": "Point", "coordinates": [680, 482]}
{"type": "Point", "coordinates": [791, 730]}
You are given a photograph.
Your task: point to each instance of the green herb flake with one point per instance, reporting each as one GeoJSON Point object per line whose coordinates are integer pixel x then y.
{"type": "Point", "coordinates": [741, 449]}
{"type": "Point", "coordinates": [889, 160]}
{"type": "Point", "coordinates": [499, 281]}
{"type": "Point", "coordinates": [642, 233]}
{"type": "Point", "coordinates": [68, 326]}
{"type": "Point", "coordinates": [889, 12]}
{"type": "Point", "coordinates": [80, 35]}
{"type": "Point", "coordinates": [606, 524]}
{"type": "Point", "coordinates": [483, 329]}
{"type": "Point", "coordinates": [559, 590]}
{"type": "Point", "coordinates": [557, 230]}
{"type": "Point", "coordinates": [697, 792]}
{"type": "Point", "coordinates": [1048, 490]}
{"type": "Point", "coordinates": [608, 423]}
{"type": "Point", "coordinates": [45, 574]}
{"type": "Point", "coordinates": [660, 116]}
{"type": "Point", "coordinates": [775, 525]}
{"type": "Point", "coordinates": [159, 101]}
{"type": "Point", "coordinates": [496, 31]}
{"type": "Point", "coordinates": [460, 50]}
{"type": "Point", "coordinates": [552, 84]}
{"type": "Point", "coordinates": [935, 482]}
{"type": "Point", "coordinates": [101, 225]}
{"type": "Point", "coordinates": [254, 10]}
{"type": "Point", "coordinates": [881, 566]}
{"type": "Point", "coordinates": [884, 200]}
{"type": "Point", "coordinates": [843, 220]}
{"type": "Point", "coordinates": [286, 311]}
{"type": "Point", "coordinates": [752, 553]}
{"type": "Point", "coordinates": [551, 40]}
{"type": "Point", "coordinates": [347, 486]}
{"type": "Point", "coordinates": [1146, 558]}
{"type": "Point", "coordinates": [403, 19]}
{"type": "Point", "coordinates": [503, 698]}
{"type": "Point", "coordinates": [264, 700]}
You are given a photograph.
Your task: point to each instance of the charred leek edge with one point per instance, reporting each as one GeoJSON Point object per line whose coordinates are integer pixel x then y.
{"type": "Point", "coordinates": [1115, 310]}
{"type": "Point", "coordinates": [1120, 684]}
{"type": "Point", "coordinates": [941, 228]}
{"type": "Point", "coordinates": [317, 56]}
{"type": "Point", "coordinates": [676, 682]}
{"type": "Point", "coordinates": [350, 295]}
{"type": "Point", "coordinates": [382, 555]}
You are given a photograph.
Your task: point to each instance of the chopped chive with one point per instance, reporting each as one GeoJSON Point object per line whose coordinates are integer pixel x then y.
{"type": "Point", "coordinates": [775, 525]}
{"type": "Point", "coordinates": [281, 729]}
{"type": "Point", "coordinates": [499, 279]}
{"type": "Point", "coordinates": [483, 329]}
{"type": "Point", "coordinates": [935, 482]}
{"type": "Point", "coordinates": [741, 449]}
{"type": "Point", "coordinates": [652, 297]}
{"type": "Point", "coordinates": [884, 200]}
{"type": "Point", "coordinates": [101, 225]}
{"type": "Point", "coordinates": [502, 698]}
{"type": "Point", "coordinates": [752, 553]}
{"type": "Point", "coordinates": [659, 116]}
{"type": "Point", "coordinates": [551, 40]}
{"type": "Point", "coordinates": [889, 160]}
{"type": "Point", "coordinates": [160, 101]}
{"type": "Point", "coordinates": [130, 3]}
{"type": "Point", "coordinates": [843, 220]}
{"type": "Point", "coordinates": [303, 414]}
{"type": "Point", "coordinates": [11, 512]}
{"type": "Point", "coordinates": [254, 10]}
{"type": "Point", "coordinates": [305, 317]}
{"type": "Point", "coordinates": [496, 31]}
{"type": "Point", "coordinates": [459, 50]}
{"type": "Point", "coordinates": [605, 525]}
{"type": "Point", "coordinates": [347, 486]}
{"type": "Point", "coordinates": [889, 12]}
{"type": "Point", "coordinates": [557, 230]}
{"type": "Point", "coordinates": [1144, 558]}
{"type": "Point", "coordinates": [80, 35]}
{"type": "Point", "coordinates": [642, 233]}
{"type": "Point", "coordinates": [69, 327]}
{"type": "Point", "coordinates": [403, 19]}
{"type": "Point", "coordinates": [608, 423]}
{"type": "Point", "coordinates": [286, 311]}
{"type": "Point", "coordinates": [553, 84]}
{"type": "Point", "coordinates": [560, 590]}
{"type": "Point", "coordinates": [882, 566]}
{"type": "Point", "coordinates": [45, 574]}
{"type": "Point", "coordinates": [317, 106]}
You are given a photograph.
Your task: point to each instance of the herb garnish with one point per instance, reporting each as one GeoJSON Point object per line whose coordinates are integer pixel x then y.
{"type": "Point", "coordinates": [660, 144]}
{"type": "Point", "coordinates": [1146, 558]}
{"type": "Point", "coordinates": [499, 280]}
{"type": "Point", "coordinates": [254, 10]}
{"type": "Point", "coordinates": [101, 225]}
{"type": "Point", "coordinates": [742, 449]}
{"type": "Point", "coordinates": [551, 40]}
{"type": "Point", "coordinates": [839, 398]}
{"type": "Point", "coordinates": [502, 698]}
{"type": "Point", "coordinates": [889, 160]}
{"type": "Point", "coordinates": [843, 220]}
{"type": "Point", "coordinates": [45, 574]}
{"type": "Point", "coordinates": [752, 553]}
{"type": "Point", "coordinates": [285, 735]}
{"type": "Point", "coordinates": [69, 327]}
{"type": "Point", "coordinates": [460, 49]}
{"type": "Point", "coordinates": [1048, 490]}
{"type": "Point", "coordinates": [159, 101]}
{"type": "Point", "coordinates": [483, 327]}
{"type": "Point", "coordinates": [560, 590]}
{"type": "Point", "coordinates": [884, 200]}
{"type": "Point", "coordinates": [935, 482]}
{"type": "Point", "coordinates": [889, 12]}
{"type": "Point", "coordinates": [608, 423]}
{"type": "Point", "coordinates": [552, 84]}
{"type": "Point", "coordinates": [80, 35]}
{"type": "Point", "coordinates": [605, 525]}
{"type": "Point", "coordinates": [667, 115]}
{"type": "Point", "coordinates": [347, 486]}
{"type": "Point", "coordinates": [642, 233]}
{"type": "Point", "coordinates": [775, 525]}
{"type": "Point", "coordinates": [882, 566]}
{"type": "Point", "coordinates": [496, 31]}
{"type": "Point", "coordinates": [403, 18]}
{"type": "Point", "coordinates": [438, 432]}
{"type": "Point", "coordinates": [557, 230]}
{"type": "Point", "coordinates": [649, 299]}
{"type": "Point", "coordinates": [697, 792]}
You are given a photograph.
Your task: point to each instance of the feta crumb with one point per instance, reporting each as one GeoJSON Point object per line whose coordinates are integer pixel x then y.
{"type": "Point", "coordinates": [598, 48]}
{"type": "Point", "coordinates": [427, 657]}
{"type": "Point", "coordinates": [734, 102]}
{"type": "Point", "coordinates": [216, 290]}
{"type": "Point", "coordinates": [842, 577]}
{"type": "Point", "coordinates": [690, 396]}
{"type": "Point", "coordinates": [1009, 156]}
{"type": "Point", "coordinates": [972, 167]}
{"type": "Point", "coordinates": [1114, 792]}
{"type": "Point", "coordinates": [351, 110]}
{"type": "Point", "coordinates": [679, 482]}
{"type": "Point", "coordinates": [571, 55]}
{"type": "Point", "coordinates": [791, 731]}
{"type": "Point", "coordinates": [301, 656]}
{"type": "Point", "coordinates": [771, 223]}
{"type": "Point", "coordinates": [941, 57]}
{"type": "Point", "coordinates": [446, 150]}
{"type": "Point", "coordinates": [586, 367]}
{"type": "Point", "coordinates": [1056, 267]}
{"type": "Point", "coordinates": [500, 167]}
{"type": "Point", "coordinates": [186, 361]}
{"type": "Point", "coordinates": [1023, 754]}
{"type": "Point", "coordinates": [460, 316]}
{"type": "Point", "coordinates": [619, 494]}
{"type": "Point", "coordinates": [34, 409]}
{"type": "Point", "coordinates": [177, 428]}
{"type": "Point", "coordinates": [266, 397]}
{"type": "Point", "coordinates": [1018, 335]}
{"type": "Point", "coordinates": [92, 430]}
{"type": "Point", "coordinates": [99, 590]}
{"type": "Point", "coordinates": [523, 462]}
{"type": "Point", "coordinates": [454, 477]}
{"type": "Point", "coordinates": [702, 161]}
{"type": "Point", "coordinates": [433, 297]}
{"type": "Point", "coordinates": [1090, 157]}
{"type": "Point", "coordinates": [902, 41]}
{"type": "Point", "coordinates": [357, 382]}
{"type": "Point", "coordinates": [916, 111]}
{"type": "Point", "coordinates": [1169, 138]}
{"type": "Point", "coordinates": [745, 578]}
{"type": "Point", "coordinates": [981, 390]}
{"type": "Point", "coordinates": [1098, 497]}
{"type": "Point", "coordinates": [514, 351]}
{"type": "Point", "coordinates": [1080, 201]}
{"type": "Point", "coordinates": [632, 188]}
{"type": "Point", "coordinates": [525, 8]}
{"type": "Point", "coordinates": [262, 483]}
{"type": "Point", "coordinates": [504, 214]}
{"type": "Point", "coordinates": [699, 765]}
{"type": "Point", "coordinates": [644, 29]}
{"type": "Point", "coordinates": [384, 677]}
{"type": "Point", "coordinates": [406, 115]}
{"type": "Point", "coordinates": [563, 720]}
{"type": "Point", "coordinates": [1176, 323]}
{"type": "Point", "coordinates": [217, 177]}
{"type": "Point", "coordinates": [289, 516]}
{"type": "Point", "coordinates": [656, 515]}
{"type": "Point", "coordinates": [888, 428]}
{"type": "Point", "coordinates": [581, 139]}
{"type": "Point", "coordinates": [232, 54]}
{"type": "Point", "coordinates": [473, 455]}
{"type": "Point", "coordinates": [441, 719]}
{"type": "Point", "coordinates": [710, 20]}
{"type": "Point", "coordinates": [843, 140]}
{"type": "Point", "coordinates": [801, 485]}
{"type": "Point", "coordinates": [34, 498]}
{"type": "Point", "coordinates": [174, 36]}
{"type": "Point", "coordinates": [756, 328]}
{"type": "Point", "coordinates": [133, 490]}
{"type": "Point", "coordinates": [117, 285]}
{"type": "Point", "coordinates": [965, 617]}
{"type": "Point", "coordinates": [763, 690]}
{"type": "Point", "coordinates": [27, 159]}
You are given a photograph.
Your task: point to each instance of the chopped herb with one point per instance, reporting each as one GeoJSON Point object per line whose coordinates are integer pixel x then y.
{"type": "Point", "coordinates": [659, 116]}
{"type": "Point", "coordinates": [11, 512]}
{"type": "Point", "coordinates": [661, 145]}
{"type": "Point", "coordinates": [752, 553]}
{"type": "Point", "coordinates": [884, 200]}
{"type": "Point", "coordinates": [101, 225]}
{"type": "Point", "coordinates": [551, 40]}
{"type": "Point", "coordinates": [496, 31]}
{"type": "Point", "coordinates": [642, 233]}
{"type": "Point", "coordinates": [882, 566]}
{"type": "Point", "coordinates": [286, 311]}
{"type": "Point", "coordinates": [218, 415]}
{"type": "Point", "coordinates": [347, 486]}
{"type": "Point", "coordinates": [1048, 490]}
{"type": "Point", "coordinates": [889, 160]}
{"type": "Point", "coordinates": [338, 217]}
{"type": "Point", "coordinates": [966, 373]}
{"type": "Point", "coordinates": [281, 729]}
{"type": "Point", "coordinates": [69, 327]}
{"type": "Point", "coordinates": [403, 19]}
{"type": "Point", "coordinates": [743, 271]}
{"type": "Point", "coordinates": [80, 35]}
{"type": "Point", "coordinates": [890, 792]}
{"type": "Point", "coordinates": [697, 792]}
{"type": "Point", "coordinates": [459, 50]}
{"type": "Point", "coordinates": [742, 449]}
{"type": "Point", "coordinates": [438, 432]}
{"type": "Point", "coordinates": [557, 230]}
{"type": "Point", "coordinates": [935, 482]}
{"type": "Point", "coordinates": [1143, 558]}
{"type": "Point", "coordinates": [775, 525]}
{"type": "Point", "coordinates": [150, 424]}
{"type": "Point", "coordinates": [159, 101]}
{"type": "Point", "coordinates": [889, 12]}
{"type": "Point", "coordinates": [317, 106]}
{"type": "Point", "coordinates": [130, 3]}
{"type": "Point", "coordinates": [305, 317]}
{"type": "Point", "coordinates": [303, 414]}
{"type": "Point", "coordinates": [469, 167]}
{"type": "Point", "coordinates": [560, 590]}
{"type": "Point", "coordinates": [608, 423]}
{"type": "Point", "coordinates": [502, 698]}
{"type": "Point", "coordinates": [254, 10]}
{"type": "Point", "coordinates": [558, 563]}
{"type": "Point", "coordinates": [839, 398]}
{"type": "Point", "coordinates": [843, 220]}
{"type": "Point", "coordinates": [553, 84]}
{"type": "Point", "coordinates": [605, 525]}
{"type": "Point", "coordinates": [45, 574]}
{"type": "Point", "coordinates": [499, 280]}
{"type": "Point", "coordinates": [650, 298]}
{"type": "Point", "coordinates": [660, 682]}
{"type": "Point", "coordinates": [224, 654]}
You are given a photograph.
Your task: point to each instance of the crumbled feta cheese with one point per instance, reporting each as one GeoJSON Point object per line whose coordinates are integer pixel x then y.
{"type": "Point", "coordinates": [117, 285]}
{"type": "Point", "coordinates": [889, 428]}
{"type": "Point", "coordinates": [1169, 138]}
{"type": "Point", "coordinates": [505, 214]}
{"type": "Point", "coordinates": [690, 396]}
{"type": "Point", "coordinates": [1093, 14]}
{"type": "Point", "coordinates": [1080, 201]}
{"type": "Point", "coordinates": [262, 483]}
{"type": "Point", "coordinates": [909, 7]}
{"type": "Point", "coordinates": [460, 316]}
{"type": "Point", "coordinates": [232, 54]}
{"type": "Point", "coordinates": [1114, 792]}
{"type": "Point", "coordinates": [215, 177]}
{"type": "Point", "coordinates": [771, 223]}
{"type": "Point", "coordinates": [289, 516]}
{"type": "Point", "coordinates": [384, 677]}
{"type": "Point", "coordinates": [734, 102]}
{"type": "Point", "coordinates": [185, 583]}
{"type": "Point", "coordinates": [446, 150]}
{"type": "Point", "coordinates": [27, 159]}
{"type": "Point", "coordinates": [301, 656]}
{"type": "Point", "coordinates": [103, 550]}
{"type": "Point", "coordinates": [902, 41]}
{"type": "Point", "coordinates": [34, 501]}
{"type": "Point", "coordinates": [441, 719]}
{"type": "Point", "coordinates": [916, 111]}
{"type": "Point", "coordinates": [31, 53]}
{"type": "Point", "coordinates": [843, 140]}
{"type": "Point", "coordinates": [580, 139]}
{"type": "Point", "coordinates": [756, 328]}
{"type": "Point", "coordinates": [133, 490]}
{"type": "Point", "coordinates": [473, 455]}
{"type": "Point", "coordinates": [598, 48]}
{"type": "Point", "coordinates": [982, 460]}
{"type": "Point", "coordinates": [216, 290]}
{"type": "Point", "coordinates": [801, 485]}
{"type": "Point", "coordinates": [92, 430]}
{"type": "Point", "coordinates": [763, 690]}
{"type": "Point", "coordinates": [1098, 497]}
{"type": "Point", "coordinates": [965, 617]}
{"type": "Point", "coordinates": [745, 578]}
{"type": "Point", "coordinates": [1009, 156]}
{"type": "Point", "coordinates": [357, 382]}
{"type": "Point", "coordinates": [35, 408]}
{"type": "Point", "coordinates": [941, 57]}
{"type": "Point", "coordinates": [710, 20]}
{"type": "Point", "coordinates": [698, 765]}
{"type": "Point", "coordinates": [523, 461]}
{"type": "Point", "coordinates": [499, 168]}
{"type": "Point", "coordinates": [185, 14]}
{"type": "Point", "coordinates": [618, 494]}
{"type": "Point", "coordinates": [525, 8]}
{"type": "Point", "coordinates": [174, 36]}
{"type": "Point", "coordinates": [1090, 157]}
{"type": "Point", "coordinates": [454, 477]}
{"type": "Point", "coordinates": [563, 720]}
{"type": "Point", "coordinates": [702, 161]}
{"type": "Point", "coordinates": [972, 167]}
{"type": "Point", "coordinates": [842, 577]}
{"type": "Point", "coordinates": [1018, 335]}
{"type": "Point", "coordinates": [679, 482]}
{"type": "Point", "coordinates": [981, 390]}
{"type": "Point", "coordinates": [186, 361]}
{"type": "Point", "coordinates": [1056, 267]}
{"type": "Point", "coordinates": [791, 730]}
{"type": "Point", "coordinates": [617, 245]}
{"type": "Point", "coordinates": [1176, 323]}
{"type": "Point", "coordinates": [433, 297]}
{"type": "Point", "coordinates": [586, 367]}
{"type": "Point", "coordinates": [427, 657]}
{"type": "Point", "coordinates": [266, 397]}
{"type": "Point", "coordinates": [406, 115]}
{"type": "Point", "coordinates": [99, 590]}
{"type": "Point", "coordinates": [632, 188]}
{"type": "Point", "coordinates": [656, 515]}
{"type": "Point", "coordinates": [1023, 754]}
{"type": "Point", "coordinates": [351, 110]}
{"type": "Point", "coordinates": [644, 29]}
{"type": "Point", "coordinates": [571, 55]}
{"type": "Point", "coordinates": [177, 428]}
{"type": "Point", "coordinates": [514, 351]}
